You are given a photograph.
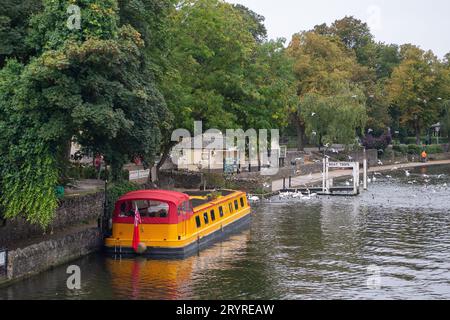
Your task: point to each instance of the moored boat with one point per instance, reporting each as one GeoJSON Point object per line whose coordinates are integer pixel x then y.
{"type": "Point", "coordinates": [172, 224]}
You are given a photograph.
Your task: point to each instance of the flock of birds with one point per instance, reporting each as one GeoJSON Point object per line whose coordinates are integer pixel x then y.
{"type": "Point", "coordinates": [374, 178]}
{"type": "Point", "coordinates": [287, 196]}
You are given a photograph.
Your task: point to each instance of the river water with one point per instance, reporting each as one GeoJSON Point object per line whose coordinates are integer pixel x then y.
{"type": "Point", "coordinates": [392, 242]}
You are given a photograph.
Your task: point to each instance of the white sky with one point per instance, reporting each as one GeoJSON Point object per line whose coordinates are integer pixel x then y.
{"type": "Point", "coordinates": [424, 23]}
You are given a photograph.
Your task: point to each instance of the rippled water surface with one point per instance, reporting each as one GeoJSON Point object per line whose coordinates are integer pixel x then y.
{"type": "Point", "coordinates": [392, 242]}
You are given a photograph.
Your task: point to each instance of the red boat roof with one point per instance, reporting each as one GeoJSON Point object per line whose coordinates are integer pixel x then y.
{"type": "Point", "coordinates": [157, 195]}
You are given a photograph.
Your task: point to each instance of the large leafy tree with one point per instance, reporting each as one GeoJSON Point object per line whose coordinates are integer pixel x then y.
{"type": "Point", "coordinates": [92, 83]}
{"type": "Point", "coordinates": [222, 71]}
{"type": "Point", "coordinates": [376, 61]}
{"type": "Point", "coordinates": [414, 88]}
{"type": "Point", "coordinates": [444, 95]}
{"type": "Point", "coordinates": [325, 69]}
{"type": "Point", "coordinates": [254, 22]}
{"type": "Point", "coordinates": [14, 18]}
{"type": "Point", "coordinates": [355, 35]}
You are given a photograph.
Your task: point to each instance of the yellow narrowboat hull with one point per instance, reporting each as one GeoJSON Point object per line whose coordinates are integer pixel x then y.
{"type": "Point", "coordinates": [184, 239]}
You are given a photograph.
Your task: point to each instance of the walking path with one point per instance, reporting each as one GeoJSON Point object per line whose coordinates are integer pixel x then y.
{"type": "Point", "coordinates": [314, 178]}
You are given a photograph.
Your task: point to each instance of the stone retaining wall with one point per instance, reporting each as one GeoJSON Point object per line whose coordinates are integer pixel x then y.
{"type": "Point", "coordinates": [42, 256]}
{"type": "Point", "coordinates": [171, 179]}
{"type": "Point", "coordinates": [72, 211]}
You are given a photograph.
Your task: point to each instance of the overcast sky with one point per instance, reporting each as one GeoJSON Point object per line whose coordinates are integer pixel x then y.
{"type": "Point", "coordinates": [421, 22]}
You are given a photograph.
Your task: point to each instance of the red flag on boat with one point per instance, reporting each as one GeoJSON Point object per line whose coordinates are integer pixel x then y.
{"type": "Point", "coordinates": [136, 236]}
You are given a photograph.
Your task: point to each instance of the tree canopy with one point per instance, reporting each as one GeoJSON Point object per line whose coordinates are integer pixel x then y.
{"type": "Point", "coordinates": [134, 71]}
{"type": "Point", "coordinates": [331, 107]}
{"type": "Point", "coordinates": [91, 84]}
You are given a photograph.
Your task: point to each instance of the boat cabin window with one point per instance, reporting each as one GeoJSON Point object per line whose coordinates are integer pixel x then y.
{"type": "Point", "coordinates": [230, 206]}
{"type": "Point", "coordinates": [205, 216]}
{"type": "Point", "coordinates": [242, 202]}
{"type": "Point", "coordinates": [185, 208]}
{"type": "Point", "coordinates": [221, 211]}
{"type": "Point", "coordinates": [198, 222]}
{"type": "Point", "coordinates": [236, 205]}
{"type": "Point", "coordinates": [213, 215]}
{"type": "Point", "coordinates": [147, 209]}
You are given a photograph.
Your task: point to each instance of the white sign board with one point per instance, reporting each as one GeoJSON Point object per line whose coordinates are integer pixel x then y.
{"type": "Point", "coordinates": [139, 174]}
{"type": "Point", "coordinates": [2, 258]}
{"type": "Point", "coordinates": [341, 164]}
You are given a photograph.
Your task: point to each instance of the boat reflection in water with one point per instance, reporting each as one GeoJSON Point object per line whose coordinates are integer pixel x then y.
{"type": "Point", "coordinates": [142, 278]}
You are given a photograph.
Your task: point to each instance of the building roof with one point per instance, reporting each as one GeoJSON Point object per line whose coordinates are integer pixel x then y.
{"type": "Point", "coordinates": [156, 195]}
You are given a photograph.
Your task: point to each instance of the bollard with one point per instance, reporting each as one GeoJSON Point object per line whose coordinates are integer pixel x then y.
{"type": "Point", "coordinates": [284, 183]}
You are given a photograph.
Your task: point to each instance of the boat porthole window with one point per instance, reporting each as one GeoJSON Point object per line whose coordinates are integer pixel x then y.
{"type": "Point", "coordinates": [236, 204]}
{"type": "Point", "coordinates": [242, 202]}
{"type": "Point", "coordinates": [197, 220]}
{"type": "Point", "coordinates": [221, 212]}
{"type": "Point", "coordinates": [205, 216]}
{"type": "Point", "coordinates": [213, 215]}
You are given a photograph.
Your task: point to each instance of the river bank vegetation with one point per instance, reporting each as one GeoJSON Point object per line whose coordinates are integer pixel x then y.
{"type": "Point", "coordinates": [136, 70]}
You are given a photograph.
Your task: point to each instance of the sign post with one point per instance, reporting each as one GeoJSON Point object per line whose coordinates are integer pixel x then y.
{"type": "Point", "coordinates": [342, 165]}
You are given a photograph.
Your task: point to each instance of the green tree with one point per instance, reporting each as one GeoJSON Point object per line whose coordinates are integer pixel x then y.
{"type": "Point", "coordinates": [222, 72]}
{"type": "Point", "coordinates": [336, 118]}
{"type": "Point", "coordinates": [14, 21]}
{"type": "Point", "coordinates": [444, 94]}
{"type": "Point", "coordinates": [355, 35]}
{"type": "Point", "coordinates": [254, 22]}
{"type": "Point", "coordinates": [324, 69]}
{"type": "Point", "coordinates": [414, 87]}
{"type": "Point", "coordinates": [376, 61]}
{"type": "Point", "coordinates": [92, 84]}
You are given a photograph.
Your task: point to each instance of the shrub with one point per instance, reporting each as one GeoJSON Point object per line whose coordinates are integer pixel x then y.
{"type": "Point", "coordinates": [434, 149]}
{"type": "Point", "coordinates": [214, 180]}
{"type": "Point", "coordinates": [414, 149]}
{"type": "Point", "coordinates": [381, 143]}
{"type": "Point", "coordinates": [410, 140]}
{"type": "Point", "coordinates": [116, 191]}
{"type": "Point", "coordinates": [78, 172]}
{"type": "Point", "coordinates": [402, 148]}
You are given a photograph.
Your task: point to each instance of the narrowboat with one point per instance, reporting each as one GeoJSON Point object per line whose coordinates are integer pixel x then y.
{"type": "Point", "coordinates": [170, 224]}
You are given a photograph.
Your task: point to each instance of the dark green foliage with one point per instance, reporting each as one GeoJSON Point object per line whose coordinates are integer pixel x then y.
{"type": "Point", "coordinates": [116, 191]}
{"type": "Point", "coordinates": [92, 84]}
{"type": "Point", "coordinates": [434, 149]}
{"type": "Point", "coordinates": [14, 27]}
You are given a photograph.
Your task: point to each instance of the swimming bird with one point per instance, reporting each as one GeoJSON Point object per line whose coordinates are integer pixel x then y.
{"type": "Point", "coordinates": [407, 173]}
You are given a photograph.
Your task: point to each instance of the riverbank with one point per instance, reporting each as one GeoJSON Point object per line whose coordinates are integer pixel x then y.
{"type": "Point", "coordinates": [308, 180]}
{"type": "Point", "coordinates": [322, 248]}
{"type": "Point", "coordinates": [73, 234]}
{"type": "Point", "coordinates": [76, 234]}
